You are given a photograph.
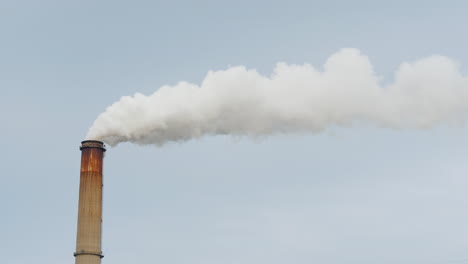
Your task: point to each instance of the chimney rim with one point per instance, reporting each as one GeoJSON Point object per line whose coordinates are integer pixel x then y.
{"type": "Point", "coordinates": [93, 144]}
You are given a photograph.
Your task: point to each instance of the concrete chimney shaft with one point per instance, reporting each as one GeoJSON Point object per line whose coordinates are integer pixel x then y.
{"type": "Point", "coordinates": [88, 237]}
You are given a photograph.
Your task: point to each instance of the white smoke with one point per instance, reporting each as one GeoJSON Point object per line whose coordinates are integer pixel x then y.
{"type": "Point", "coordinates": [295, 98]}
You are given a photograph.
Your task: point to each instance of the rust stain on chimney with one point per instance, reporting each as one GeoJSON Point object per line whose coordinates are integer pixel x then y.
{"type": "Point", "coordinates": [88, 237]}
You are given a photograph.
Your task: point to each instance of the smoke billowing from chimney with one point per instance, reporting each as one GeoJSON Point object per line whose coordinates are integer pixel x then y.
{"type": "Point", "coordinates": [295, 98]}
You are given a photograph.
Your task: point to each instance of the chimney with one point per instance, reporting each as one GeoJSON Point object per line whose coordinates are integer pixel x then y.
{"type": "Point", "coordinates": [88, 237]}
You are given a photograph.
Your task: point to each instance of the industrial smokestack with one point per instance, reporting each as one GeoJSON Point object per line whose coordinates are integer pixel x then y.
{"type": "Point", "coordinates": [88, 238]}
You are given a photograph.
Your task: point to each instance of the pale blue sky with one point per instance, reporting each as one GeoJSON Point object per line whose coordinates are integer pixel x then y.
{"type": "Point", "coordinates": [359, 195]}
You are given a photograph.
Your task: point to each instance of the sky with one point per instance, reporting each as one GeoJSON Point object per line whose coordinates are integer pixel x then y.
{"type": "Point", "coordinates": [359, 194]}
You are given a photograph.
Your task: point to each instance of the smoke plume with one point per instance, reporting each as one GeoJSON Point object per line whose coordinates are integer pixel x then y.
{"type": "Point", "coordinates": [295, 98]}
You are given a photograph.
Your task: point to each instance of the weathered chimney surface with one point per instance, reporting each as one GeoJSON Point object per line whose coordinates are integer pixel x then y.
{"type": "Point", "coordinates": [88, 238]}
